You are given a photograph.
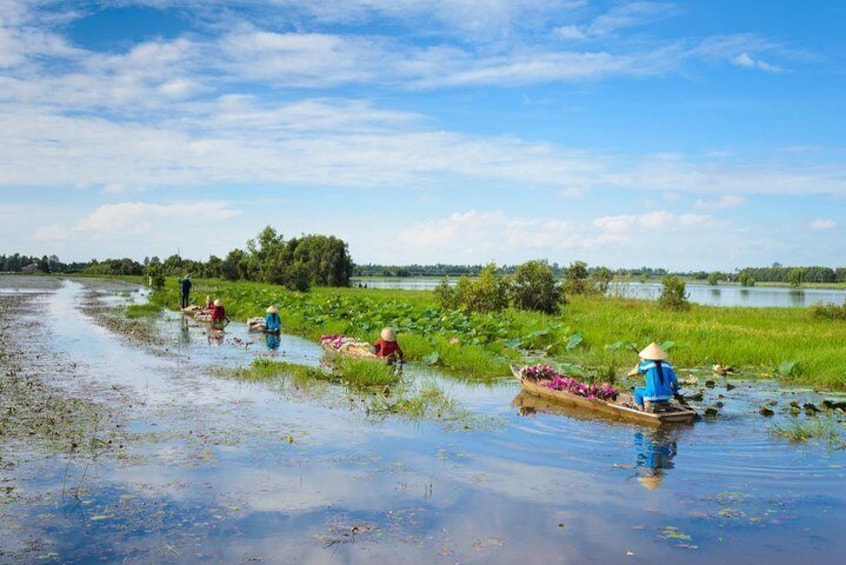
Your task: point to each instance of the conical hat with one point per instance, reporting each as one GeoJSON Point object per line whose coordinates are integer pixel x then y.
{"type": "Point", "coordinates": [388, 334]}
{"type": "Point", "coordinates": [218, 302]}
{"type": "Point", "coordinates": [272, 310]}
{"type": "Point", "coordinates": [653, 352]}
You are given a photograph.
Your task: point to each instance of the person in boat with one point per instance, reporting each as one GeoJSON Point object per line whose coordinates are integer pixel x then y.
{"type": "Point", "coordinates": [272, 321]}
{"type": "Point", "coordinates": [209, 303]}
{"type": "Point", "coordinates": [386, 346]}
{"type": "Point", "coordinates": [661, 381]}
{"type": "Point", "coordinates": [184, 291]}
{"type": "Point", "coordinates": [218, 317]}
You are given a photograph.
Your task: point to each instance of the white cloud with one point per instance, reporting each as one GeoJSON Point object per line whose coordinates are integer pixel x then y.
{"type": "Point", "coordinates": [133, 218]}
{"type": "Point", "coordinates": [570, 32]}
{"type": "Point", "coordinates": [659, 223]}
{"type": "Point", "coordinates": [628, 15]}
{"type": "Point", "coordinates": [745, 60]}
{"type": "Point", "coordinates": [823, 224]}
{"type": "Point", "coordinates": [723, 202]}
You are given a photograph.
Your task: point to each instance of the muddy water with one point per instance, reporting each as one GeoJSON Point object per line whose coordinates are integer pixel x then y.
{"type": "Point", "coordinates": [187, 465]}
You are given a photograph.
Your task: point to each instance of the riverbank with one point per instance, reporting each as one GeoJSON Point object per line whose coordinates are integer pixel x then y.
{"type": "Point", "coordinates": [592, 336]}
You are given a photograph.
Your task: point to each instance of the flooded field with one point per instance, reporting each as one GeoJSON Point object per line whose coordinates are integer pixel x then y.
{"type": "Point", "coordinates": [122, 445]}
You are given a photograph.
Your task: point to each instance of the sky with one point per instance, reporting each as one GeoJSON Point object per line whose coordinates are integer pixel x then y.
{"type": "Point", "coordinates": [688, 135]}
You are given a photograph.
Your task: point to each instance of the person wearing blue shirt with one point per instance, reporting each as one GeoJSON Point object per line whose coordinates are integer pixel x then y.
{"type": "Point", "coordinates": [272, 321]}
{"type": "Point", "coordinates": [184, 291]}
{"type": "Point", "coordinates": [661, 381]}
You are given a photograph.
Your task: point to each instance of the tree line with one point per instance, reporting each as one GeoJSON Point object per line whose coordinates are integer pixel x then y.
{"type": "Point", "coordinates": [321, 260]}
{"type": "Point", "coordinates": [296, 263]}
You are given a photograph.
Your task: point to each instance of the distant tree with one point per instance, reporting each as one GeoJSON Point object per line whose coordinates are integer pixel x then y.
{"type": "Point", "coordinates": [155, 276]}
{"type": "Point", "coordinates": [235, 266]}
{"type": "Point", "coordinates": [488, 292]}
{"type": "Point", "coordinates": [173, 266]}
{"type": "Point", "coordinates": [447, 295]}
{"type": "Point", "coordinates": [714, 278]}
{"type": "Point", "coordinates": [534, 287]}
{"type": "Point", "coordinates": [327, 258]}
{"type": "Point", "coordinates": [746, 278]}
{"type": "Point", "coordinates": [213, 269]}
{"type": "Point", "coordinates": [796, 276]}
{"type": "Point", "coordinates": [576, 278]}
{"type": "Point", "coordinates": [673, 295]}
{"type": "Point", "coordinates": [600, 279]}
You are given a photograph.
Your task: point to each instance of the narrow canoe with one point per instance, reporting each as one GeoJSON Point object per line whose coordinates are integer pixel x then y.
{"type": "Point", "coordinates": [623, 409]}
{"type": "Point", "coordinates": [358, 350]}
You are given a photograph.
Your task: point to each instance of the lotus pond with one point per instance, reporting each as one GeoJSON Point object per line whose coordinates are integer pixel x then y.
{"type": "Point", "coordinates": [131, 443]}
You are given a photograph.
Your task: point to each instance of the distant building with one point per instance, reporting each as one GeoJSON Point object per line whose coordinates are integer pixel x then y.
{"type": "Point", "coordinates": [29, 269]}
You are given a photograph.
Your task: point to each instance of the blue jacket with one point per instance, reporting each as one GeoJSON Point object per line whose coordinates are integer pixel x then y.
{"type": "Point", "coordinates": [661, 381]}
{"type": "Point", "coordinates": [272, 321]}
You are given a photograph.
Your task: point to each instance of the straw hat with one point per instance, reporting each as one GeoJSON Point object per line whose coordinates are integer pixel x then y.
{"type": "Point", "coordinates": [388, 334]}
{"type": "Point", "coordinates": [653, 352]}
{"type": "Point", "coordinates": [218, 302]}
{"type": "Point", "coordinates": [651, 482]}
{"type": "Point", "coordinates": [272, 310]}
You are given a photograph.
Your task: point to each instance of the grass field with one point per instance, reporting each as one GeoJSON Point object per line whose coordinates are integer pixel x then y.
{"type": "Point", "coordinates": [593, 335]}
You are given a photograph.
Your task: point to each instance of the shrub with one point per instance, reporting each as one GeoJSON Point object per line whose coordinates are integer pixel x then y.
{"type": "Point", "coordinates": [673, 296]}
{"type": "Point", "coordinates": [830, 311]}
{"type": "Point", "coordinates": [534, 287]}
{"type": "Point", "coordinates": [486, 293]}
{"type": "Point", "coordinates": [576, 278]}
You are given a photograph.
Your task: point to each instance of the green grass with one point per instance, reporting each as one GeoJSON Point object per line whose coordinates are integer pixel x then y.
{"type": "Point", "coordinates": [134, 311]}
{"type": "Point", "coordinates": [800, 431]}
{"type": "Point", "coordinates": [592, 333]}
{"type": "Point", "coordinates": [428, 402]}
{"type": "Point", "coordinates": [356, 373]}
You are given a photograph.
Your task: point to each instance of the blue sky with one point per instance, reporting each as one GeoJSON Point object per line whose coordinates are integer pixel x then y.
{"type": "Point", "coordinates": [707, 134]}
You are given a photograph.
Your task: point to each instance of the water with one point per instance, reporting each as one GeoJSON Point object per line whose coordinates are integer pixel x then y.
{"type": "Point", "coordinates": [708, 295]}
{"type": "Point", "coordinates": [223, 471]}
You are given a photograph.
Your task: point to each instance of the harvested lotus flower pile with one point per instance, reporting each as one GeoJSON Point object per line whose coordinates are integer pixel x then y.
{"type": "Point", "coordinates": [348, 345]}
{"type": "Point", "coordinates": [548, 377]}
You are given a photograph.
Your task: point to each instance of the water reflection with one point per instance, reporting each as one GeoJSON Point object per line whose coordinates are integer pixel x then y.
{"type": "Point", "coordinates": [214, 337]}
{"type": "Point", "coordinates": [655, 452]}
{"type": "Point", "coordinates": [184, 331]}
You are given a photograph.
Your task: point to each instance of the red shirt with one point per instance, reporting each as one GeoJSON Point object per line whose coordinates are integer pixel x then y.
{"type": "Point", "coordinates": [386, 348]}
{"type": "Point", "coordinates": [218, 314]}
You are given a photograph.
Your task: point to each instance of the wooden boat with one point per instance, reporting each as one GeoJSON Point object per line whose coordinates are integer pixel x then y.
{"type": "Point", "coordinates": [349, 347]}
{"type": "Point", "coordinates": [335, 346]}
{"type": "Point", "coordinates": [257, 325]}
{"type": "Point", "coordinates": [621, 409]}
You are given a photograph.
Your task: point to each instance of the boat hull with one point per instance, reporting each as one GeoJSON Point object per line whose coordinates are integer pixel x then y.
{"type": "Point", "coordinates": [618, 410]}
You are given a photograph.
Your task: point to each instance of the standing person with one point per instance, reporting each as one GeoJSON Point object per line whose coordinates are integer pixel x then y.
{"type": "Point", "coordinates": [218, 317]}
{"type": "Point", "coordinates": [661, 381]}
{"type": "Point", "coordinates": [184, 291]}
{"type": "Point", "coordinates": [386, 346]}
{"type": "Point", "coordinates": [272, 342]}
{"type": "Point", "coordinates": [272, 321]}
